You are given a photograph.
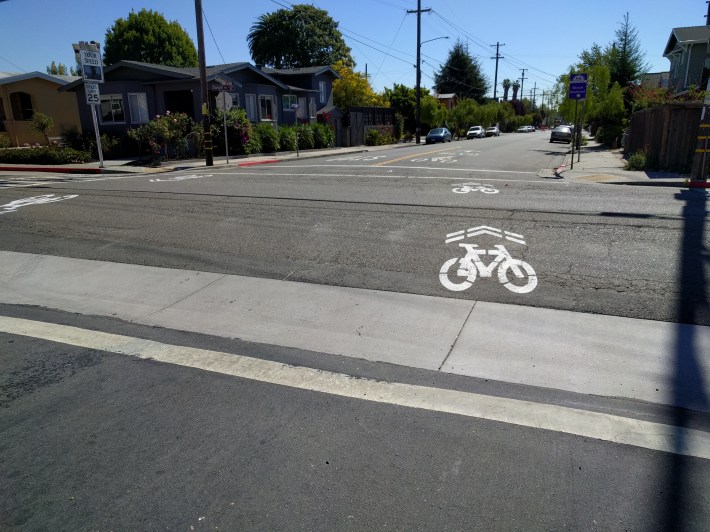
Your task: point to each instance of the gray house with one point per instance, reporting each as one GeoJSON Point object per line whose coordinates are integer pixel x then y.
{"type": "Point", "coordinates": [135, 92]}
{"type": "Point", "coordinates": [687, 50]}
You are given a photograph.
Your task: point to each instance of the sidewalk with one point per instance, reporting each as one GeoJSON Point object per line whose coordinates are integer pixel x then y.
{"type": "Point", "coordinates": [127, 166]}
{"type": "Point", "coordinates": [599, 164]}
{"type": "Point", "coordinates": [584, 353]}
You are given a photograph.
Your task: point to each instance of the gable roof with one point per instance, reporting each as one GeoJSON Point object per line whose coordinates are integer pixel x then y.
{"type": "Point", "coordinates": [314, 70]}
{"type": "Point", "coordinates": [184, 73]}
{"type": "Point", "coordinates": [14, 78]}
{"type": "Point", "coordinates": [689, 35]}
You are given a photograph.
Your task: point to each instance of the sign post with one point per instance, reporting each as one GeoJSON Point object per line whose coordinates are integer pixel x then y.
{"type": "Point", "coordinates": [89, 56]}
{"type": "Point", "coordinates": [577, 91]}
{"type": "Point", "coordinates": [223, 85]}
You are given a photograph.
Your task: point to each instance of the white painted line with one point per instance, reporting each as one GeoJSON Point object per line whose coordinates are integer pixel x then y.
{"type": "Point", "coordinates": [392, 176]}
{"type": "Point", "coordinates": [605, 427]}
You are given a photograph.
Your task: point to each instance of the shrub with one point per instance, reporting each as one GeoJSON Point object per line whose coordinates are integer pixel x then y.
{"type": "Point", "coordinates": [323, 136]}
{"type": "Point", "coordinates": [637, 161]}
{"type": "Point", "coordinates": [373, 138]}
{"type": "Point", "coordinates": [268, 136]}
{"type": "Point", "coordinates": [42, 124]}
{"type": "Point", "coordinates": [306, 137]}
{"type": "Point", "coordinates": [5, 141]}
{"type": "Point", "coordinates": [44, 155]}
{"type": "Point", "coordinates": [287, 138]}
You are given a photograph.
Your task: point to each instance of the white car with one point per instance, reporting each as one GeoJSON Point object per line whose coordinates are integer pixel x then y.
{"type": "Point", "coordinates": [476, 132]}
{"type": "Point", "coordinates": [526, 129]}
{"type": "Point", "coordinates": [493, 131]}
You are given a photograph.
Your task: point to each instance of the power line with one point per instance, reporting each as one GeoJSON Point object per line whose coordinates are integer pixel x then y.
{"type": "Point", "coordinates": [213, 38]}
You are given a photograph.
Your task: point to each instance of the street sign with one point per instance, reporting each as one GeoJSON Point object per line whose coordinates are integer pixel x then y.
{"type": "Point", "coordinates": [578, 86]}
{"type": "Point", "coordinates": [224, 101]}
{"type": "Point", "coordinates": [92, 93]}
{"type": "Point", "coordinates": [91, 65]}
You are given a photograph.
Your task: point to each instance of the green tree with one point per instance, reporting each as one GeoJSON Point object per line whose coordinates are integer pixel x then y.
{"type": "Point", "coordinates": [516, 88]}
{"type": "Point", "coordinates": [43, 123]}
{"type": "Point", "coordinates": [403, 99]}
{"type": "Point", "coordinates": [148, 37]}
{"type": "Point", "coordinates": [57, 69]}
{"type": "Point", "coordinates": [354, 89]}
{"type": "Point", "coordinates": [433, 112]}
{"type": "Point", "coordinates": [461, 74]}
{"type": "Point", "coordinates": [463, 116]}
{"type": "Point", "coordinates": [626, 59]}
{"type": "Point", "coordinates": [506, 88]}
{"type": "Point", "coordinates": [300, 37]}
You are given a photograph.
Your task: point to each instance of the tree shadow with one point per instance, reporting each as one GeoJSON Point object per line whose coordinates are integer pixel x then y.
{"type": "Point", "coordinates": [688, 383]}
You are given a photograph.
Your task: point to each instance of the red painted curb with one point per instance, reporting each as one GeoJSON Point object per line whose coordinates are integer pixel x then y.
{"type": "Point", "coordinates": [57, 170]}
{"type": "Point", "coordinates": [698, 184]}
{"type": "Point", "coordinates": [254, 163]}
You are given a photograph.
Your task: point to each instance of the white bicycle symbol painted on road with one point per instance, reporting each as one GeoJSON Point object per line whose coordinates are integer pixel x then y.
{"type": "Point", "coordinates": [465, 188]}
{"type": "Point", "coordinates": [471, 265]}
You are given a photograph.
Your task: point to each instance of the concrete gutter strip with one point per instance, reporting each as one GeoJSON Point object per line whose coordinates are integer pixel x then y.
{"type": "Point", "coordinates": [591, 354]}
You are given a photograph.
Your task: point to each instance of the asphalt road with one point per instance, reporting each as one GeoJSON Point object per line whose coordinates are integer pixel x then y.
{"type": "Point", "coordinates": [91, 438]}
{"type": "Point", "coordinates": [389, 220]}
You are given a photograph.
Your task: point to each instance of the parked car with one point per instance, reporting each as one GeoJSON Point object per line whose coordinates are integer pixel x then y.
{"type": "Point", "coordinates": [526, 129]}
{"type": "Point", "coordinates": [476, 132]}
{"type": "Point", "coordinates": [493, 131]}
{"type": "Point", "coordinates": [561, 134]}
{"type": "Point", "coordinates": [438, 134]}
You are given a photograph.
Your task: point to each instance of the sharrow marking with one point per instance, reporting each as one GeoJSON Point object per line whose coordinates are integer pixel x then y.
{"type": "Point", "coordinates": [583, 423]}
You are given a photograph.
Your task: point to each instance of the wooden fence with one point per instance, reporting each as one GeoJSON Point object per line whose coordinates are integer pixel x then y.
{"type": "Point", "coordinates": [667, 134]}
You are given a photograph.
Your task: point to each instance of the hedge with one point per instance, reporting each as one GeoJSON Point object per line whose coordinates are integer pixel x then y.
{"type": "Point", "coordinates": [43, 155]}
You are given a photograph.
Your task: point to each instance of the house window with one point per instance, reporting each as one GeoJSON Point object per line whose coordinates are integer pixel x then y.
{"type": "Point", "coordinates": [321, 86]}
{"type": "Point", "coordinates": [251, 107]}
{"type": "Point", "coordinates": [289, 102]}
{"type": "Point", "coordinates": [21, 104]}
{"type": "Point", "coordinates": [138, 106]}
{"type": "Point", "coordinates": [312, 108]}
{"type": "Point", "coordinates": [235, 98]}
{"type": "Point", "coordinates": [2, 111]}
{"type": "Point", "coordinates": [266, 108]}
{"type": "Point", "coordinates": [112, 109]}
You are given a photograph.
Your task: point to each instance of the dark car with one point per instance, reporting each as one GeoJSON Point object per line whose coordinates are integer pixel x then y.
{"type": "Point", "coordinates": [438, 134]}
{"type": "Point", "coordinates": [561, 134]}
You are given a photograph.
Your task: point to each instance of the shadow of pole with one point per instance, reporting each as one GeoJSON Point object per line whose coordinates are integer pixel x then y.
{"type": "Point", "coordinates": [688, 391]}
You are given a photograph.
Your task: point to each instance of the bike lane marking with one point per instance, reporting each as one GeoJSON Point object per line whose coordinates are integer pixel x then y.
{"type": "Point", "coordinates": [412, 156]}
{"type": "Point", "coordinates": [33, 200]}
{"type": "Point", "coordinates": [471, 266]}
{"type": "Point", "coordinates": [568, 420]}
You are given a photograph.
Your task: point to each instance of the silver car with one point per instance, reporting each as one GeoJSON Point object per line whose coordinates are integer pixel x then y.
{"type": "Point", "coordinates": [561, 134]}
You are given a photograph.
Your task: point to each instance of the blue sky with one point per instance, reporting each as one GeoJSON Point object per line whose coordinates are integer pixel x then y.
{"type": "Point", "coordinates": [543, 37]}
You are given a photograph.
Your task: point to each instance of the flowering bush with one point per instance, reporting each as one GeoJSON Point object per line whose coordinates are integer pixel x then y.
{"type": "Point", "coordinates": [170, 130]}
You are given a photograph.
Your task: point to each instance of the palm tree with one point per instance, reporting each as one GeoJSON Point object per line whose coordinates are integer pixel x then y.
{"type": "Point", "coordinates": [516, 88]}
{"type": "Point", "coordinates": [506, 88]}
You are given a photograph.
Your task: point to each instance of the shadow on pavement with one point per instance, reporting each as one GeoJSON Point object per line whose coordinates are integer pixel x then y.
{"type": "Point", "coordinates": [688, 385]}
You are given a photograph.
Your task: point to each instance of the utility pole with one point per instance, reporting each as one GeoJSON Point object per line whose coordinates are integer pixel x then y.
{"type": "Point", "coordinates": [419, 12]}
{"type": "Point", "coordinates": [534, 92]}
{"type": "Point", "coordinates": [203, 84]}
{"type": "Point", "coordinates": [522, 83]}
{"type": "Point", "coordinates": [497, 57]}
{"type": "Point", "coordinates": [542, 106]}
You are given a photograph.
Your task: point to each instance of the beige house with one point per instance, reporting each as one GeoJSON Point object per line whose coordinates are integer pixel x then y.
{"type": "Point", "coordinates": [22, 95]}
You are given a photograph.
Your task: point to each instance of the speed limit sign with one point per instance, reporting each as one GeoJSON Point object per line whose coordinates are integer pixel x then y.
{"type": "Point", "coordinates": [92, 93]}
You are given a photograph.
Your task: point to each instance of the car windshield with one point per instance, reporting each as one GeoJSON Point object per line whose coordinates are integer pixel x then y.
{"type": "Point", "coordinates": [436, 131]}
